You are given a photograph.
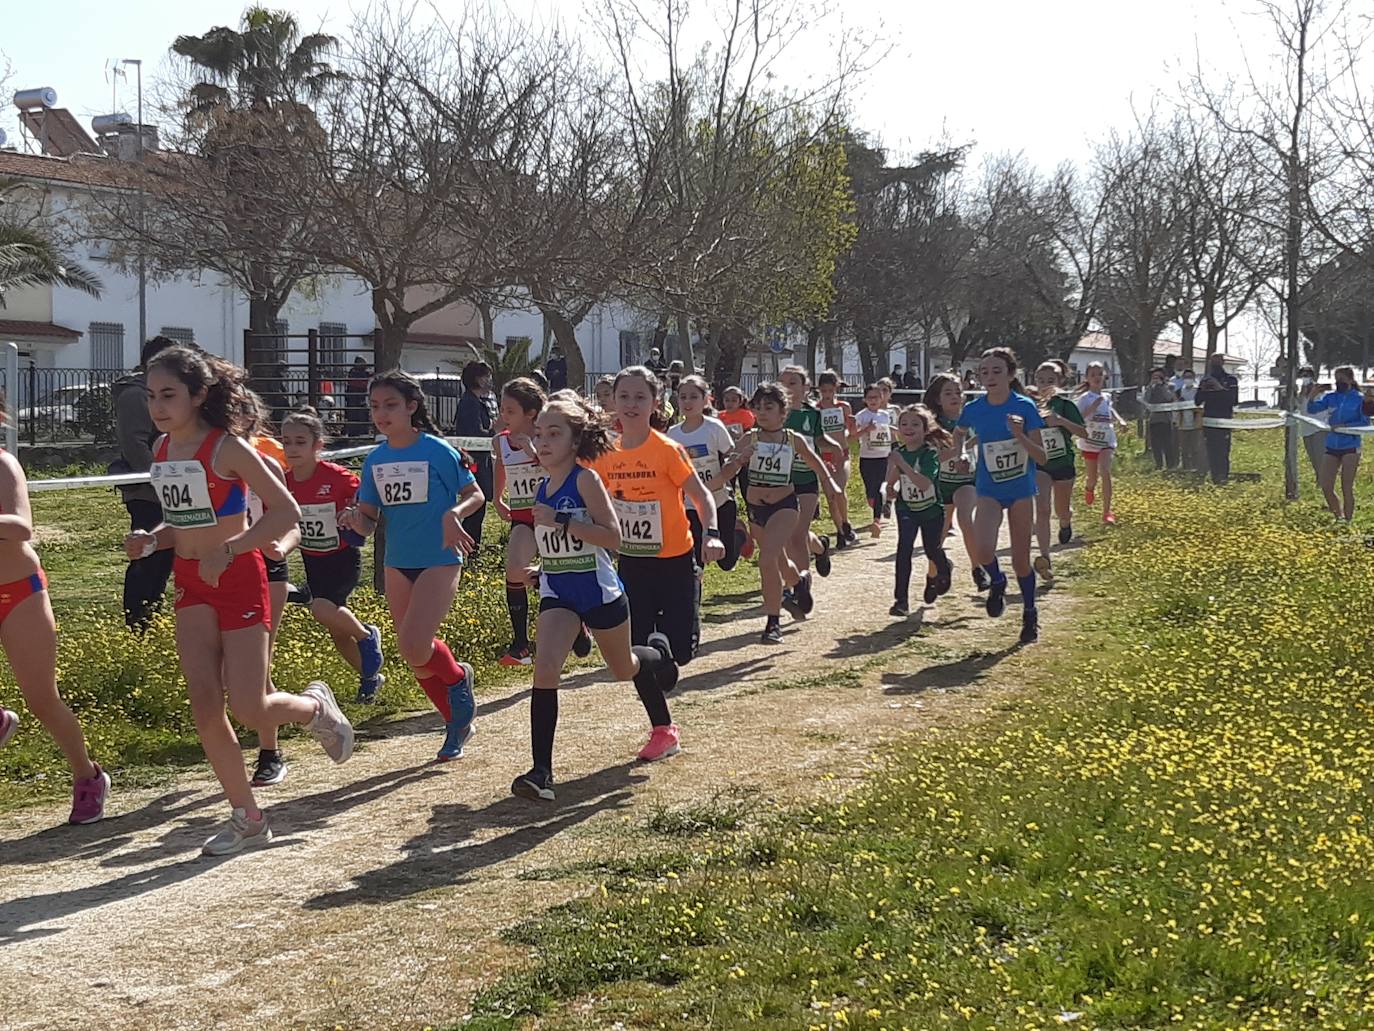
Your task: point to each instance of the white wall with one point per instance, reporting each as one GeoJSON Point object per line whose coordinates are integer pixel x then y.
{"type": "Point", "coordinates": [598, 335]}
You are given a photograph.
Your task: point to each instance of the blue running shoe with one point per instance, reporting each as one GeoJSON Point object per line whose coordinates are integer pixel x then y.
{"type": "Point", "coordinates": [370, 648]}
{"type": "Point", "coordinates": [463, 707]}
{"type": "Point", "coordinates": [368, 688]}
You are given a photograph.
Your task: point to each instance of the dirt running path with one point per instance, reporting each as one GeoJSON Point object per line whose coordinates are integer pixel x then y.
{"type": "Point", "coordinates": [381, 901]}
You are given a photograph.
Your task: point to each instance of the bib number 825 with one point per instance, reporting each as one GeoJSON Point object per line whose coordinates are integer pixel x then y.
{"type": "Point", "coordinates": [398, 493]}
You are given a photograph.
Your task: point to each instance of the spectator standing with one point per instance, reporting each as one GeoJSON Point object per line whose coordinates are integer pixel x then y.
{"type": "Point", "coordinates": [1189, 439]}
{"type": "Point", "coordinates": [655, 364]}
{"type": "Point", "coordinates": [145, 579]}
{"type": "Point", "coordinates": [1346, 407]}
{"type": "Point", "coordinates": [1217, 396]}
{"type": "Point", "coordinates": [557, 369]}
{"type": "Point", "coordinates": [1313, 436]}
{"type": "Point", "coordinates": [1163, 443]}
{"type": "Point", "coordinates": [355, 396]}
{"type": "Point", "coordinates": [896, 374]}
{"type": "Point", "coordinates": [476, 417]}
{"type": "Point", "coordinates": [1175, 378]}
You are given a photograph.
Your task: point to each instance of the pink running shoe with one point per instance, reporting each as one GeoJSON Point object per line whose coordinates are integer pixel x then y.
{"type": "Point", "coordinates": [1109, 518]}
{"type": "Point", "coordinates": [88, 797]}
{"type": "Point", "coordinates": [1089, 495]}
{"type": "Point", "coordinates": [663, 742]}
{"type": "Point", "coordinates": [9, 723]}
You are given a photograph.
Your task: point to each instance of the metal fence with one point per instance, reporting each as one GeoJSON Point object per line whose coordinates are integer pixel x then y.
{"type": "Point", "coordinates": [61, 405]}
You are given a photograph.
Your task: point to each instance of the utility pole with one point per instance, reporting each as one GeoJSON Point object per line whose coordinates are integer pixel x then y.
{"type": "Point", "coordinates": [142, 227]}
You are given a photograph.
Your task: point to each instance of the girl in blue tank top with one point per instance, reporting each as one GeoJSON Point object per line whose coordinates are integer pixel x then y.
{"type": "Point", "coordinates": [575, 530]}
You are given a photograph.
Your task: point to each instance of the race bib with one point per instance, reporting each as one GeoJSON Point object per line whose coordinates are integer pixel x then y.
{"type": "Point", "coordinates": [1100, 434]}
{"type": "Point", "coordinates": [402, 483]}
{"type": "Point", "coordinates": [319, 527]}
{"type": "Point", "coordinates": [184, 493]}
{"type": "Point", "coordinates": [641, 527]}
{"type": "Point", "coordinates": [1005, 460]}
{"type": "Point", "coordinates": [705, 461]}
{"type": "Point", "coordinates": [880, 435]}
{"type": "Point", "coordinates": [561, 552]}
{"type": "Point", "coordinates": [832, 419]}
{"type": "Point", "coordinates": [1056, 446]}
{"type": "Point", "coordinates": [916, 496]}
{"type": "Point", "coordinates": [522, 484]}
{"type": "Point", "coordinates": [771, 464]}
{"type": "Point", "coordinates": [736, 429]}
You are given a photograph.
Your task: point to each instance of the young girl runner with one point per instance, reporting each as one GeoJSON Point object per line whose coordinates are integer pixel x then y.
{"type": "Point", "coordinates": [331, 555]}
{"type": "Point", "coordinates": [875, 428]}
{"type": "Point", "coordinates": [28, 634]}
{"type": "Point", "coordinates": [576, 529]}
{"type": "Point", "coordinates": [1346, 407]}
{"type": "Point", "coordinates": [954, 486]}
{"type": "Point", "coordinates": [1008, 425]}
{"type": "Point", "coordinates": [517, 477]}
{"type": "Point", "coordinates": [1054, 479]}
{"type": "Point", "coordinates": [888, 387]}
{"type": "Point", "coordinates": [805, 418]}
{"type": "Point", "coordinates": [202, 469]}
{"type": "Point", "coordinates": [1099, 446]}
{"type": "Point", "coordinates": [426, 490]}
{"type": "Point", "coordinates": [737, 417]}
{"type": "Point", "coordinates": [648, 476]}
{"type": "Point", "coordinates": [913, 468]}
{"type": "Point", "coordinates": [708, 444]}
{"type": "Point", "coordinates": [771, 453]}
{"type": "Point", "coordinates": [837, 420]}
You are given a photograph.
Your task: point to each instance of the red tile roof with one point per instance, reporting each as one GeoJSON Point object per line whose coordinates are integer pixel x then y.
{"type": "Point", "coordinates": [85, 169]}
{"type": "Point", "coordinates": [23, 328]}
{"type": "Point", "coordinates": [1097, 341]}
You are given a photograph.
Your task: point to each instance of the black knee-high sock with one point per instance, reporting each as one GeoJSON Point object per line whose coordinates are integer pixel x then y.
{"type": "Point", "coordinates": [543, 721]}
{"type": "Point", "coordinates": [647, 685]}
{"type": "Point", "coordinates": [518, 602]}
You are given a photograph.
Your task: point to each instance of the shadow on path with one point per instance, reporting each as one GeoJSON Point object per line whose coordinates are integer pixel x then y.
{"type": "Point", "coordinates": [947, 675]}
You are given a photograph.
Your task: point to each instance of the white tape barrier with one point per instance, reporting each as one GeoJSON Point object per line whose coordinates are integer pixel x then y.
{"type": "Point", "coordinates": [1267, 419]}
{"type": "Point", "coordinates": [129, 479]}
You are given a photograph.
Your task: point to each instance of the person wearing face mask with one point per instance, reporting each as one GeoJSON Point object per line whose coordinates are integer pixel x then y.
{"type": "Point", "coordinates": [1162, 441]}
{"type": "Point", "coordinates": [1217, 397]}
{"type": "Point", "coordinates": [1189, 439]}
{"type": "Point", "coordinates": [1345, 406]}
{"type": "Point", "coordinates": [1313, 435]}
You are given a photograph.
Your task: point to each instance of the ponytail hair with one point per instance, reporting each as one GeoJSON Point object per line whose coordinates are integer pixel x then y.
{"type": "Point", "coordinates": [309, 419]}
{"type": "Point", "coordinates": [229, 405]}
{"type": "Point", "coordinates": [589, 429]}
{"type": "Point", "coordinates": [527, 394]}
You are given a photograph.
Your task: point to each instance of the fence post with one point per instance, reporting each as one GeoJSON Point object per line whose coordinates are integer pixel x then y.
{"type": "Point", "coordinates": [11, 384]}
{"type": "Point", "coordinates": [312, 367]}
{"type": "Point", "coordinates": [33, 403]}
{"type": "Point", "coordinates": [249, 358]}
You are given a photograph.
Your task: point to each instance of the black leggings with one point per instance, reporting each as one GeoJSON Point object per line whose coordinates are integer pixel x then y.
{"type": "Point", "coordinates": [931, 526]}
{"type": "Point", "coordinates": [664, 596]}
{"type": "Point", "coordinates": [874, 472]}
{"type": "Point", "coordinates": [725, 522]}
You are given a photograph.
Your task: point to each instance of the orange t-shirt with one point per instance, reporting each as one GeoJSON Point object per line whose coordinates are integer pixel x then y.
{"type": "Point", "coordinates": [638, 479]}
{"type": "Point", "coordinates": [738, 422]}
{"type": "Point", "coordinates": [270, 447]}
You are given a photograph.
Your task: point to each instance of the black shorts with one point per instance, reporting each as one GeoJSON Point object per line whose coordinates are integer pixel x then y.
{"type": "Point", "coordinates": [803, 489]}
{"type": "Point", "coordinates": [1059, 472]}
{"type": "Point", "coordinates": [276, 570]}
{"type": "Point", "coordinates": [664, 596]}
{"type": "Point", "coordinates": [1341, 452]}
{"type": "Point", "coordinates": [603, 617]}
{"type": "Point", "coordinates": [760, 513]}
{"type": "Point", "coordinates": [334, 576]}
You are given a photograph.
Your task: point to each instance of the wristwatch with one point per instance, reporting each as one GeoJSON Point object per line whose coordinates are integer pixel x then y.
{"type": "Point", "coordinates": [713, 532]}
{"type": "Point", "coordinates": [562, 518]}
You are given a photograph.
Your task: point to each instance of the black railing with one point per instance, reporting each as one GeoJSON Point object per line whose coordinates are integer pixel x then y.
{"type": "Point", "coordinates": [62, 405]}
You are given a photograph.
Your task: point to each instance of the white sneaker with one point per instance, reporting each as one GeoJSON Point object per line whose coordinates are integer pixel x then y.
{"type": "Point", "coordinates": [239, 833]}
{"type": "Point", "coordinates": [330, 727]}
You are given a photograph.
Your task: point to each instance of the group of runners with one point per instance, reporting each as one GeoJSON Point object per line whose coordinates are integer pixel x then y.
{"type": "Point", "coordinates": [614, 516]}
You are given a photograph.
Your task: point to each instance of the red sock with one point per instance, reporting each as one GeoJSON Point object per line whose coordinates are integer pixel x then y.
{"type": "Point", "coordinates": [442, 665]}
{"type": "Point", "coordinates": [437, 692]}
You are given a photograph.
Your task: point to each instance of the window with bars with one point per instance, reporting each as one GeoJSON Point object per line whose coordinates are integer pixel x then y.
{"type": "Point", "coordinates": [181, 334]}
{"type": "Point", "coordinates": [107, 345]}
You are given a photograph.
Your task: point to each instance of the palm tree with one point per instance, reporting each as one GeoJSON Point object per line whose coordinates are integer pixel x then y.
{"type": "Point", "coordinates": [265, 62]}
{"type": "Point", "coordinates": [27, 258]}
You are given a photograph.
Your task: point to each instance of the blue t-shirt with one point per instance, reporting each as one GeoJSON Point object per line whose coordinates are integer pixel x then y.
{"type": "Point", "coordinates": [415, 486]}
{"type": "Point", "coordinates": [1005, 470]}
{"type": "Point", "coordinates": [1347, 409]}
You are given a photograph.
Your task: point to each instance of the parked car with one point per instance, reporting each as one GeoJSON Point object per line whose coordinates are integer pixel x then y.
{"type": "Point", "coordinates": [79, 410]}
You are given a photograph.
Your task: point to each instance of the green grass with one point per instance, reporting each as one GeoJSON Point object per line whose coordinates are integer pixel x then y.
{"type": "Point", "coordinates": [1173, 832]}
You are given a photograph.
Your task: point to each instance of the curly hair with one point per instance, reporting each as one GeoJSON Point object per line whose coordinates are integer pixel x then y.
{"type": "Point", "coordinates": [589, 430]}
{"type": "Point", "coordinates": [229, 405]}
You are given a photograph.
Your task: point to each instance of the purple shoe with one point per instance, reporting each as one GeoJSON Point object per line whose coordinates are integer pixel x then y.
{"type": "Point", "coordinates": [88, 797]}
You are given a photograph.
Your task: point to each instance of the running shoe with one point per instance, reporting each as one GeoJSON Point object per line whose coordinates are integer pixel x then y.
{"type": "Point", "coordinates": [663, 742]}
{"type": "Point", "coordinates": [822, 560]}
{"type": "Point", "coordinates": [1030, 626]}
{"type": "Point", "coordinates": [370, 648]}
{"type": "Point", "coordinates": [997, 601]}
{"type": "Point", "coordinates": [239, 833]}
{"type": "Point", "coordinates": [668, 672]}
{"type": "Point", "coordinates": [1109, 518]}
{"type": "Point", "coordinates": [582, 644]}
{"type": "Point", "coordinates": [462, 706]}
{"type": "Point", "coordinates": [899, 609]}
{"type": "Point", "coordinates": [1042, 567]}
{"type": "Point", "coordinates": [805, 602]}
{"type": "Point", "coordinates": [269, 769]}
{"type": "Point", "coordinates": [887, 509]}
{"type": "Point", "coordinates": [1089, 495]}
{"type": "Point", "coordinates": [88, 797]}
{"type": "Point", "coordinates": [772, 631]}
{"type": "Point", "coordinates": [876, 530]}
{"type": "Point", "coordinates": [516, 657]}
{"type": "Point", "coordinates": [980, 578]}
{"type": "Point", "coordinates": [1065, 533]}
{"type": "Point", "coordinates": [746, 542]}
{"type": "Point", "coordinates": [9, 723]}
{"type": "Point", "coordinates": [850, 535]}
{"type": "Point", "coordinates": [841, 542]}
{"type": "Point", "coordinates": [456, 737]}
{"type": "Point", "coordinates": [537, 786]}
{"type": "Point", "coordinates": [944, 577]}
{"type": "Point", "coordinates": [368, 688]}
{"type": "Point", "coordinates": [932, 591]}
{"type": "Point", "coordinates": [298, 595]}
{"type": "Point", "coordinates": [329, 726]}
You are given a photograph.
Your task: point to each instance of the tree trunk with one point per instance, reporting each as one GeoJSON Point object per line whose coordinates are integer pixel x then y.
{"type": "Point", "coordinates": [868, 344]}
{"type": "Point", "coordinates": [730, 359]}
{"type": "Point", "coordinates": [566, 334]}
{"type": "Point", "coordinates": [684, 335]}
{"type": "Point", "coordinates": [1213, 339]}
{"type": "Point", "coordinates": [1189, 329]}
{"type": "Point", "coordinates": [813, 335]}
{"type": "Point", "coordinates": [488, 324]}
{"type": "Point", "coordinates": [834, 356]}
{"type": "Point", "coordinates": [710, 345]}
{"type": "Point", "coordinates": [660, 336]}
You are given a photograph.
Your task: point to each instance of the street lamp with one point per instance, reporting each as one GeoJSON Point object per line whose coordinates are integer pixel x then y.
{"type": "Point", "coordinates": [142, 228]}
